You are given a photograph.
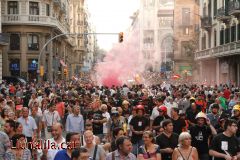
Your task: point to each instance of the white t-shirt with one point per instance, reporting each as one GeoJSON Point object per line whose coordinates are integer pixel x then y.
{"type": "Point", "coordinates": [155, 113]}
{"type": "Point", "coordinates": [105, 127]}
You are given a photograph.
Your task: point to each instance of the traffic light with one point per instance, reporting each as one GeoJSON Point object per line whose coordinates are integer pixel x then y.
{"type": "Point", "coordinates": [120, 37]}
{"type": "Point", "coordinates": [41, 71]}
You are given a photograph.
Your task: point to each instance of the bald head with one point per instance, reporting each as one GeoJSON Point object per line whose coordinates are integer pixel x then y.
{"type": "Point", "coordinates": [57, 131]}
{"type": "Point", "coordinates": [88, 136]}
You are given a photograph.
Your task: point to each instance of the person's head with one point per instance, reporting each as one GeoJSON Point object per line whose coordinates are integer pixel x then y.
{"type": "Point", "coordinates": [148, 137]}
{"type": "Point", "coordinates": [134, 111]}
{"type": "Point", "coordinates": [11, 115]}
{"type": "Point", "coordinates": [80, 154]}
{"type": "Point", "coordinates": [193, 106]}
{"type": "Point", "coordinates": [34, 110]}
{"type": "Point", "coordinates": [57, 130]}
{"type": "Point", "coordinates": [167, 126]}
{"type": "Point", "coordinates": [88, 126]}
{"type": "Point", "coordinates": [120, 111]}
{"type": "Point", "coordinates": [236, 110]}
{"type": "Point", "coordinates": [184, 139]}
{"type": "Point", "coordinates": [4, 113]}
{"type": "Point", "coordinates": [25, 112]}
{"type": "Point", "coordinates": [201, 118]}
{"type": "Point", "coordinates": [18, 128]}
{"type": "Point", "coordinates": [125, 104]}
{"type": "Point", "coordinates": [124, 145]}
{"type": "Point", "coordinates": [73, 139]}
{"type": "Point", "coordinates": [51, 106]}
{"type": "Point", "coordinates": [162, 110]}
{"type": "Point", "coordinates": [215, 108]}
{"type": "Point", "coordinates": [140, 110]}
{"type": "Point", "coordinates": [174, 112]}
{"type": "Point", "coordinates": [76, 110]}
{"type": "Point", "coordinates": [9, 126]}
{"type": "Point", "coordinates": [231, 126]}
{"type": "Point", "coordinates": [159, 101]}
{"type": "Point", "coordinates": [104, 108]}
{"type": "Point", "coordinates": [118, 132]}
{"type": "Point", "coordinates": [88, 136]}
{"type": "Point", "coordinates": [19, 141]}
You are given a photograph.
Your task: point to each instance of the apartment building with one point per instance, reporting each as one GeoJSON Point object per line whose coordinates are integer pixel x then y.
{"type": "Point", "coordinates": [218, 57]}
{"type": "Point", "coordinates": [186, 30]}
{"type": "Point", "coordinates": [30, 24]}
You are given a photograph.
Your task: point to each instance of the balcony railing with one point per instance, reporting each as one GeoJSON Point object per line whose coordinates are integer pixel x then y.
{"type": "Point", "coordinates": [4, 38]}
{"type": "Point", "coordinates": [222, 14]}
{"type": "Point", "coordinates": [234, 8]}
{"type": "Point", "coordinates": [219, 51]}
{"type": "Point", "coordinates": [206, 22]}
{"type": "Point", "coordinates": [35, 20]}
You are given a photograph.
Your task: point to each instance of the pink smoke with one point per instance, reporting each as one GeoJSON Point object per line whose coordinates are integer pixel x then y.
{"type": "Point", "coordinates": [121, 62]}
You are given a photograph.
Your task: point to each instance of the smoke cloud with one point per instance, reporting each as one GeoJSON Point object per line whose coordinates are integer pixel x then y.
{"type": "Point", "coordinates": [122, 63]}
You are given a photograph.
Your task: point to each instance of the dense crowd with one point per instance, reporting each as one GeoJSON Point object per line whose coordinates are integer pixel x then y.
{"type": "Point", "coordinates": [78, 120]}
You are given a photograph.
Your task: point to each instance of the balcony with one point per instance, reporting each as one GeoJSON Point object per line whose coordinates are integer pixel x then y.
{"type": "Point", "coordinates": [222, 15]}
{"type": "Point", "coordinates": [206, 22]}
{"type": "Point", "coordinates": [4, 39]}
{"type": "Point", "coordinates": [219, 51]}
{"type": "Point", "coordinates": [57, 3]}
{"type": "Point", "coordinates": [34, 20]}
{"type": "Point", "coordinates": [234, 8]}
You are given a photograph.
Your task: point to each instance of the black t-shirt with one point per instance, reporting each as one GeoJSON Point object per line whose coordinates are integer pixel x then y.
{"type": "Point", "coordinates": [191, 116]}
{"type": "Point", "coordinates": [222, 142]}
{"type": "Point", "coordinates": [178, 125]}
{"type": "Point", "coordinates": [157, 121]}
{"type": "Point", "coordinates": [97, 127]}
{"type": "Point", "coordinates": [167, 142]}
{"type": "Point", "coordinates": [200, 136]}
{"type": "Point", "coordinates": [139, 124]}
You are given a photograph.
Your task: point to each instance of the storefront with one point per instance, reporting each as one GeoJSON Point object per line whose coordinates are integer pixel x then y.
{"type": "Point", "coordinates": [32, 69]}
{"type": "Point", "coordinates": [14, 67]}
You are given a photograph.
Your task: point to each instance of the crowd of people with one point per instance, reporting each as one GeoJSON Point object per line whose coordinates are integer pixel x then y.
{"type": "Point", "coordinates": [80, 121]}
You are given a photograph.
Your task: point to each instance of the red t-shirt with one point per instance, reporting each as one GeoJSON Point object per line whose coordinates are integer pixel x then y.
{"type": "Point", "coordinates": [59, 107]}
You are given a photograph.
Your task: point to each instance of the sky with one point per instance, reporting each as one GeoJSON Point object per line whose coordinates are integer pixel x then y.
{"type": "Point", "coordinates": [111, 16]}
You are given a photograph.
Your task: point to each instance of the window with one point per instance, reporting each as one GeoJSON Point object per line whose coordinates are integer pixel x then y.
{"type": "Point", "coordinates": [222, 37]}
{"type": "Point", "coordinates": [47, 10]}
{"type": "Point", "coordinates": [215, 38]}
{"type": "Point", "coordinates": [33, 42]}
{"type": "Point", "coordinates": [33, 8]}
{"type": "Point", "coordinates": [227, 35]}
{"type": "Point", "coordinates": [238, 30]}
{"type": "Point", "coordinates": [233, 33]}
{"type": "Point", "coordinates": [15, 41]}
{"type": "Point", "coordinates": [186, 16]}
{"type": "Point", "coordinates": [204, 42]}
{"type": "Point", "coordinates": [12, 7]}
{"type": "Point", "coordinates": [215, 8]}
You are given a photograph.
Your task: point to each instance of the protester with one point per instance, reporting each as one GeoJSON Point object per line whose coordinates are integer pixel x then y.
{"type": "Point", "coordinates": [185, 150]}
{"type": "Point", "coordinates": [124, 148]}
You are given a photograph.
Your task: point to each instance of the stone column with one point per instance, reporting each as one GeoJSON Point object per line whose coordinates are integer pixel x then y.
{"type": "Point", "coordinates": [23, 57]}
{"type": "Point", "coordinates": [217, 71]}
{"type": "Point", "coordinates": [5, 63]}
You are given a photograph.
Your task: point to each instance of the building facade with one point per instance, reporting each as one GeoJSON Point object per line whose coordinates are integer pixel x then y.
{"type": "Point", "coordinates": [156, 32]}
{"type": "Point", "coordinates": [30, 25]}
{"type": "Point", "coordinates": [186, 30]}
{"type": "Point", "coordinates": [77, 26]}
{"type": "Point", "coordinates": [218, 56]}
